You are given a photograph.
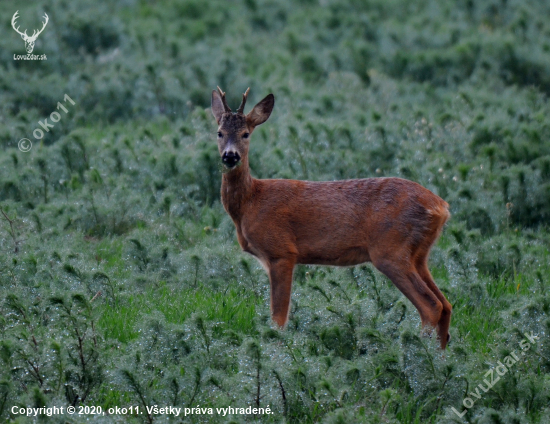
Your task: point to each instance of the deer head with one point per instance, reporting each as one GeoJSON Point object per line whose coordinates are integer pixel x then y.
{"type": "Point", "coordinates": [29, 41]}
{"type": "Point", "coordinates": [235, 128]}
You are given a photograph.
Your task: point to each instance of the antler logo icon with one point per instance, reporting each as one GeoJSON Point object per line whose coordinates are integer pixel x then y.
{"type": "Point", "coordinates": [29, 41]}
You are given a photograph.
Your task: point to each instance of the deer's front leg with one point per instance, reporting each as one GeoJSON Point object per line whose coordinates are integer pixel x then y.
{"type": "Point", "coordinates": [280, 278]}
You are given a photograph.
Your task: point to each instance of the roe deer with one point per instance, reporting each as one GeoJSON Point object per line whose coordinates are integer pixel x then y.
{"type": "Point", "coordinates": [390, 222]}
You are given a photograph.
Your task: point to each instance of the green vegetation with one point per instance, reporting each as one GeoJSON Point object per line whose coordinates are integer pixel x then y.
{"type": "Point", "coordinates": [121, 279]}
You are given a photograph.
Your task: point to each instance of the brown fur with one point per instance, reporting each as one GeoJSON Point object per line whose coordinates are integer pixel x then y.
{"type": "Point", "coordinates": [390, 222]}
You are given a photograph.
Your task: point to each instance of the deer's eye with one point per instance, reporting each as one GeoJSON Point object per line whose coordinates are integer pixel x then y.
{"type": "Point", "coordinates": [220, 135]}
{"type": "Point", "coordinates": [245, 135]}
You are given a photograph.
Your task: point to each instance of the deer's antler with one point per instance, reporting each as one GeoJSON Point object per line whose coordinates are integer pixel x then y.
{"type": "Point", "coordinates": [34, 36]}
{"type": "Point", "coordinates": [241, 107]}
{"type": "Point", "coordinates": [24, 35]}
{"type": "Point", "coordinates": [224, 102]}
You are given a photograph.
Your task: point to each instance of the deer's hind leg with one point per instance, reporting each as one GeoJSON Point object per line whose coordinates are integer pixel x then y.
{"type": "Point", "coordinates": [406, 278]}
{"type": "Point", "coordinates": [420, 261]}
{"type": "Point", "coordinates": [445, 319]}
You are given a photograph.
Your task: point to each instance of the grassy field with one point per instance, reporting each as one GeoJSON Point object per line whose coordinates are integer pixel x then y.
{"type": "Point", "coordinates": [122, 283]}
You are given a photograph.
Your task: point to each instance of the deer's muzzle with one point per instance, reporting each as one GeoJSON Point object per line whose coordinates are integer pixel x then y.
{"type": "Point", "coordinates": [230, 158]}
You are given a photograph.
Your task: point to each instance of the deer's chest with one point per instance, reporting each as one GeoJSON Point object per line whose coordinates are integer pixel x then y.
{"type": "Point", "coordinates": [249, 245]}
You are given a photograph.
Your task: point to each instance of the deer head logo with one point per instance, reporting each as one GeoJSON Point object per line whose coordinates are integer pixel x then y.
{"type": "Point", "coordinates": [29, 41]}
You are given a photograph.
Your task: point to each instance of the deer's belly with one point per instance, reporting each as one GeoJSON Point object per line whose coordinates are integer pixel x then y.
{"type": "Point", "coordinates": [328, 251]}
{"type": "Point", "coordinates": [345, 257]}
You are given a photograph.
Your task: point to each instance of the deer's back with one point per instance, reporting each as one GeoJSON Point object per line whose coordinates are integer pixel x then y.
{"type": "Point", "coordinates": [338, 222]}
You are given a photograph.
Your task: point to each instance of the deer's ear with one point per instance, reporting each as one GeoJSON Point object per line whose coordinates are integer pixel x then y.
{"type": "Point", "coordinates": [259, 114]}
{"type": "Point", "coordinates": [217, 106]}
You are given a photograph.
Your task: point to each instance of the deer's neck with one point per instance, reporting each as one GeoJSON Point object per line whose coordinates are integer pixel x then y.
{"type": "Point", "coordinates": [237, 187]}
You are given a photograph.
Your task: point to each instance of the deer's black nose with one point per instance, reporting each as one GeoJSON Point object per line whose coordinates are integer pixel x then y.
{"type": "Point", "coordinates": [230, 159]}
